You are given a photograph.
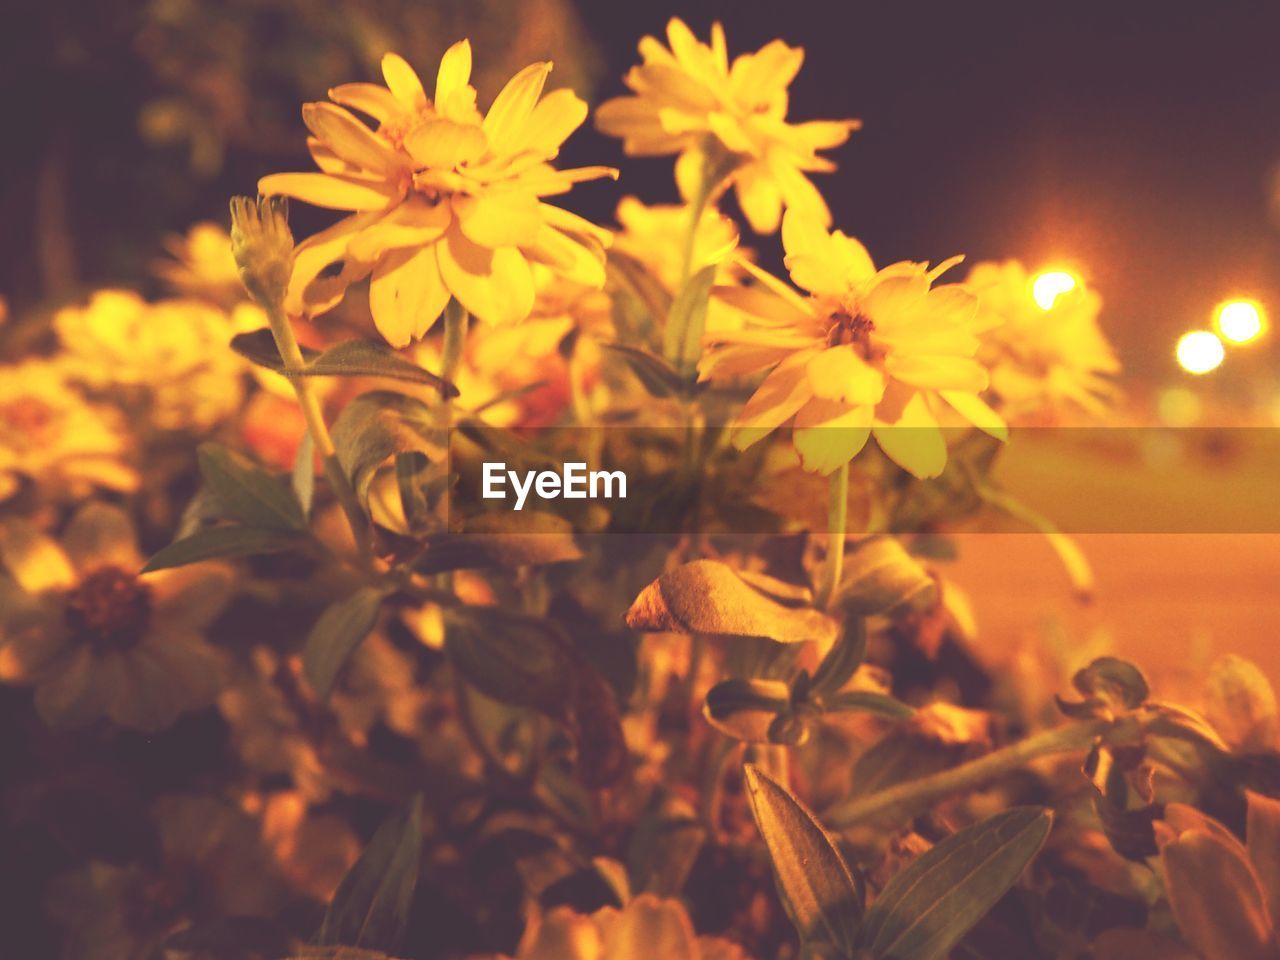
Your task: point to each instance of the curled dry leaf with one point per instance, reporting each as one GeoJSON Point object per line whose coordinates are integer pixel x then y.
{"type": "Point", "coordinates": [709, 597]}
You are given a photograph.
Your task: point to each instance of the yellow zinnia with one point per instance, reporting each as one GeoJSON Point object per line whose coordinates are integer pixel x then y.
{"type": "Point", "coordinates": [865, 353]}
{"type": "Point", "coordinates": [690, 100]}
{"type": "Point", "coordinates": [1043, 361]}
{"type": "Point", "coordinates": [445, 202]}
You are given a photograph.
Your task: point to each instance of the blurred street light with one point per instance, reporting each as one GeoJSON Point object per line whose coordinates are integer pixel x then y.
{"type": "Point", "coordinates": [1049, 285]}
{"type": "Point", "coordinates": [1240, 321]}
{"type": "Point", "coordinates": [1200, 351]}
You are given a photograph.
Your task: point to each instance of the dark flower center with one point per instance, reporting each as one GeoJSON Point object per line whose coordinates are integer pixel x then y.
{"type": "Point", "coordinates": [850, 328]}
{"type": "Point", "coordinates": [110, 609]}
{"type": "Point", "coordinates": [27, 417]}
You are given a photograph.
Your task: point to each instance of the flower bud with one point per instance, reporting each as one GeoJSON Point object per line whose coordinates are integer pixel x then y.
{"type": "Point", "coordinates": [262, 246]}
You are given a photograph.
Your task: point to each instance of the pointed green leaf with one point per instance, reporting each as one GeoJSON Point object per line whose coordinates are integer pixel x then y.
{"type": "Point", "coordinates": [513, 658]}
{"type": "Point", "coordinates": [816, 885]}
{"type": "Point", "coordinates": [304, 473]}
{"type": "Point", "coordinates": [221, 543]}
{"type": "Point", "coordinates": [376, 426]}
{"type": "Point", "coordinates": [744, 709]}
{"type": "Point", "coordinates": [249, 493]}
{"type": "Point", "coordinates": [655, 374]}
{"type": "Point", "coordinates": [926, 908]}
{"type": "Point", "coordinates": [682, 338]}
{"type": "Point", "coordinates": [351, 358]}
{"type": "Point", "coordinates": [843, 659]}
{"type": "Point", "coordinates": [337, 633]}
{"type": "Point", "coordinates": [371, 906]}
{"type": "Point", "coordinates": [881, 577]}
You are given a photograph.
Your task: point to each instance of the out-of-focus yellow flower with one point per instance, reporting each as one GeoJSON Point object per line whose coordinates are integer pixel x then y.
{"type": "Point", "coordinates": [1225, 895]}
{"type": "Point", "coordinates": [173, 354]}
{"type": "Point", "coordinates": [690, 100]}
{"type": "Point", "coordinates": [97, 638]}
{"type": "Point", "coordinates": [50, 433]}
{"type": "Point", "coordinates": [200, 265]}
{"type": "Point", "coordinates": [646, 927]}
{"type": "Point", "coordinates": [654, 236]}
{"type": "Point", "coordinates": [1042, 360]}
{"type": "Point", "coordinates": [865, 353]}
{"type": "Point", "coordinates": [211, 865]}
{"type": "Point", "coordinates": [445, 202]}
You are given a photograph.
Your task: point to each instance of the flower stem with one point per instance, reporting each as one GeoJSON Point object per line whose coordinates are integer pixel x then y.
{"type": "Point", "coordinates": [837, 520]}
{"type": "Point", "coordinates": [905, 799]}
{"type": "Point", "coordinates": [291, 355]}
{"type": "Point", "coordinates": [456, 321]}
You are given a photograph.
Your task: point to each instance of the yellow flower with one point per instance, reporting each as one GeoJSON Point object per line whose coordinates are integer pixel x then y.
{"type": "Point", "coordinates": [646, 927]}
{"type": "Point", "coordinates": [690, 100]}
{"type": "Point", "coordinates": [200, 265]}
{"type": "Point", "coordinates": [97, 638]}
{"type": "Point", "coordinates": [865, 353]}
{"type": "Point", "coordinates": [445, 202]}
{"type": "Point", "coordinates": [51, 434]}
{"type": "Point", "coordinates": [173, 354]}
{"type": "Point", "coordinates": [1041, 360]}
{"type": "Point", "coordinates": [654, 236]}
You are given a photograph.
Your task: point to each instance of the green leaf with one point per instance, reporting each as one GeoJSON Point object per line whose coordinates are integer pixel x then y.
{"type": "Point", "coordinates": [351, 358]}
{"type": "Point", "coordinates": [376, 426]}
{"type": "Point", "coordinates": [513, 658]}
{"type": "Point", "coordinates": [682, 338]}
{"type": "Point", "coordinates": [303, 479]}
{"type": "Point", "coordinates": [881, 577]}
{"type": "Point", "coordinates": [249, 493]}
{"type": "Point", "coordinates": [926, 908]}
{"type": "Point", "coordinates": [816, 885]}
{"type": "Point", "coordinates": [655, 374]}
{"type": "Point", "coordinates": [363, 358]}
{"type": "Point", "coordinates": [336, 634]}
{"type": "Point", "coordinates": [842, 660]}
{"type": "Point", "coordinates": [217, 543]}
{"type": "Point", "coordinates": [707, 596]}
{"type": "Point", "coordinates": [868, 701]}
{"type": "Point", "coordinates": [371, 906]}
{"type": "Point", "coordinates": [744, 709]}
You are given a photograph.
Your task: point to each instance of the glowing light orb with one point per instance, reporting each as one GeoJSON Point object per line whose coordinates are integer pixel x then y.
{"type": "Point", "coordinates": [1239, 321]}
{"type": "Point", "coordinates": [1200, 351]}
{"type": "Point", "coordinates": [1050, 285]}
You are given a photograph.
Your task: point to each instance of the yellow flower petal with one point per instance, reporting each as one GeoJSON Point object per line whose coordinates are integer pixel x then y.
{"type": "Point", "coordinates": [974, 409]}
{"type": "Point", "coordinates": [1216, 898]}
{"type": "Point", "coordinates": [579, 260]}
{"type": "Point", "coordinates": [350, 139]}
{"type": "Point", "coordinates": [34, 560]}
{"type": "Point", "coordinates": [499, 218]}
{"type": "Point", "coordinates": [914, 441]}
{"type": "Point", "coordinates": [828, 434]}
{"type": "Point", "coordinates": [369, 98]}
{"type": "Point", "coordinates": [101, 535]}
{"type": "Point", "coordinates": [330, 191]}
{"type": "Point", "coordinates": [444, 144]}
{"type": "Point", "coordinates": [784, 391]}
{"type": "Point", "coordinates": [403, 83]}
{"type": "Point", "coordinates": [454, 73]}
{"type": "Point", "coordinates": [494, 285]}
{"type": "Point", "coordinates": [759, 198]}
{"type": "Point", "coordinates": [937, 372]}
{"type": "Point", "coordinates": [554, 118]}
{"type": "Point", "coordinates": [561, 934]}
{"type": "Point", "coordinates": [325, 252]}
{"type": "Point", "coordinates": [513, 106]}
{"type": "Point", "coordinates": [839, 373]}
{"type": "Point", "coordinates": [327, 160]}
{"type": "Point", "coordinates": [70, 698]}
{"type": "Point", "coordinates": [406, 294]}
{"type": "Point", "coordinates": [414, 223]}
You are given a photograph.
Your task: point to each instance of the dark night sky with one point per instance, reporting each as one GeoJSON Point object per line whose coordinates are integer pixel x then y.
{"type": "Point", "coordinates": [1134, 139]}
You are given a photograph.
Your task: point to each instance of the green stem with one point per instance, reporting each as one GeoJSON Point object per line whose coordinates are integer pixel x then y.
{"type": "Point", "coordinates": [837, 521]}
{"type": "Point", "coordinates": [291, 356]}
{"type": "Point", "coordinates": [905, 799]}
{"type": "Point", "coordinates": [456, 321]}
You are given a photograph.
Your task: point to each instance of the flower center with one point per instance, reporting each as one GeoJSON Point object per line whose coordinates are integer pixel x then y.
{"type": "Point", "coordinates": [26, 417]}
{"type": "Point", "coordinates": [110, 609]}
{"type": "Point", "coordinates": [852, 328]}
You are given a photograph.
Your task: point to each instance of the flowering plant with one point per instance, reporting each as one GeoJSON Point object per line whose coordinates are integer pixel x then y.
{"type": "Point", "coordinates": [336, 705]}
